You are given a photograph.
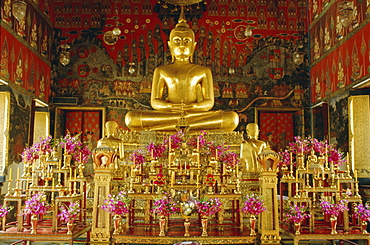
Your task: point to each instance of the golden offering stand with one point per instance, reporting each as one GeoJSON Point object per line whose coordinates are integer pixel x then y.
{"type": "Point", "coordinates": [314, 179]}
{"type": "Point", "coordinates": [59, 182]}
{"type": "Point", "coordinates": [180, 172]}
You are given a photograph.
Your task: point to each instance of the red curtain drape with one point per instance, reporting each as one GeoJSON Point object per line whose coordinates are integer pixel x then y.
{"type": "Point", "coordinates": [88, 123]}
{"type": "Point", "coordinates": [279, 125]}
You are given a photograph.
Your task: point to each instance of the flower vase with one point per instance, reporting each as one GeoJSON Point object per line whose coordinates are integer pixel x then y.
{"type": "Point", "coordinates": [252, 221]}
{"type": "Point", "coordinates": [297, 228]}
{"type": "Point", "coordinates": [333, 223]}
{"type": "Point", "coordinates": [116, 224]}
{"type": "Point", "coordinates": [364, 226]}
{"type": "Point", "coordinates": [34, 221]}
{"type": "Point", "coordinates": [187, 225]}
{"type": "Point", "coordinates": [204, 222]}
{"type": "Point", "coordinates": [162, 225]}
{"type": "Point", "coordinates": [70, 228]}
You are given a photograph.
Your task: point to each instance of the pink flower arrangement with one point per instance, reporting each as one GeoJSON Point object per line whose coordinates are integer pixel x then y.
{"type": "Point", "coordinates": [117, 205]}
{"type": "Point", "coordinates": [138, 157]}
{"type": "Point", "coordinates": [193, 142]}
{"type": "Point", "coordinates": [231, 159]}
{"type": "Point", "coordinates": [208, 207]}
{"type": "Point", "coordinates": [307, 145]}
{"type": "Point", "coordinates": [334, 208]}
{"type": "Point", "coordinates": [253, 205]}
{"type": "Point", "coordinates": [156, 150]}
{"type": "Point", "coordinates": [29, 155]}
{"type": "Point", "coordinates": [212, 149]}
{"type": "Point", "coordinates": [362, 212]}
{"type": "Point", "coordinates": [296, 213]}
{"type": "Point", "coordinates": [4, 210]}
{"type": "Point", "coordinates": [44, 146]}
{"type": "Point", "coordinates": [71, 144]}
{"type": "Point", "coordinates": [83, 156]}
{"type": "Point", "coordinates": [176, 140]}
{"type": "Point", "coordinates": [69, 213]}
{"type": "Point", "coordinates": [165, 205]}
{"type": "Point", "coordinates": [36, 205]}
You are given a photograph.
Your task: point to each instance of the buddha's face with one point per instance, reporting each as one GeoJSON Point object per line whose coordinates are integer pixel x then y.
{"type": "Point", "coordinates": [182, 44]}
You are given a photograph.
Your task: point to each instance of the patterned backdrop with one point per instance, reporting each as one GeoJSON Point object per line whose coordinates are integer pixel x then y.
{"type": "Point", "coordinates": [88, 123]}
{"type": "Point", "coordinates": [280, 125]}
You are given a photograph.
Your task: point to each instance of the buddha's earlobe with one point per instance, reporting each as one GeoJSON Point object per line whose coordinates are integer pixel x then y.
{"type": "Point", "coordinates": [192, 53]}
{"type": "Point", "coordinates": [172, 56]}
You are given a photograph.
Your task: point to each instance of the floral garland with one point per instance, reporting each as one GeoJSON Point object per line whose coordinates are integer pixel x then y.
{"type": "Point", "coordinates": [69, 213]}
{"type": "Point", "coordinates": [208, 207]}
{"type": "Point", "coordinates": [308, 145]}
{"type": "Point", "coordinates": [296, 213]}
{"type": "Point", "coordinates": [36, 204]}
{"type": "Point", "coordinates": [253, 205]}
{"type": "Point", "coordinates": [362, 212]}
{"type": "Point", "coordinates": [164, 206]}
{"type": "Point", "coordinates": [117, 205]}
{"type": "Point", "coordinates": [334, 208]}
{"type": "Point", "coordinates": [4, 210]}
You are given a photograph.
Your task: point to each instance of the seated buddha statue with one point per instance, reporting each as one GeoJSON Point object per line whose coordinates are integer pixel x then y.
{"type": "Point", "coordinates": [110, 140]}
{"type": "Point", "coordinates": [182, 92]}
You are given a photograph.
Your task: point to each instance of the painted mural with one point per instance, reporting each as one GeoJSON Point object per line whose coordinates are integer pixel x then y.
{"type": "Point", "coordinates": [249, 71]}
{"type": "Point", "coordinates": [339, 53]}
{"type": "Point", "coordinates": [338, 134]}
{"type": "Point", "coordinates": [20, 111]}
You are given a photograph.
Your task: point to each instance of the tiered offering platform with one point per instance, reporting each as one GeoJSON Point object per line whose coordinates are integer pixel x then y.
{"type": "Point", "coordinates": [143, 235]}
{"type": "Point", "coordinates": [44, 233]}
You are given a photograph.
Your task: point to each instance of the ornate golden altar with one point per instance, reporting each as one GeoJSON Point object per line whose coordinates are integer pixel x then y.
{"type": "Point", "coordinates": [184, 172]}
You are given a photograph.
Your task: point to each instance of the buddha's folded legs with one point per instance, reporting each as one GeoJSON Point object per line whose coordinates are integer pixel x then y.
{"type": "Point", "coordinates": [169, 121]}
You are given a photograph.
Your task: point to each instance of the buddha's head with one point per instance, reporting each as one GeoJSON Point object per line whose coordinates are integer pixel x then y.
{"type": "Point", "coordinates": [182, 40]}
{"type": "Point", "coordinates": [111, 127]}
{"type": "Point", "coordinates": [252, 130]}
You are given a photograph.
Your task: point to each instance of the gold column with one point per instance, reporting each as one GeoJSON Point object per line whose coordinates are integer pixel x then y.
{"type": "Point", "coordinates": [101, 222]}
{"type": "Point", "coordinates": [359, 134]}
{"type": "Point", "coordinates": [269, 219]}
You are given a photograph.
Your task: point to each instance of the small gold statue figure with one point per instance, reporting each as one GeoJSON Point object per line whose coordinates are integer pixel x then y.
{"type": "Point", "coordinates": [251, 149]}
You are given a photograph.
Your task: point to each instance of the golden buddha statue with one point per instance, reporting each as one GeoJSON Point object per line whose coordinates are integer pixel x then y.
{"type": "Point", "coordinates": [251, 149]}
{"type": "Point", "coordinates": [190, 92]}
{"type": "Point", "coordinates": [110, 140]}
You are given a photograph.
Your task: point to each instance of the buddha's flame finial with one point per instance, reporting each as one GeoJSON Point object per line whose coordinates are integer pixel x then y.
{"type": "Point", "coordinates": [182, 19]}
